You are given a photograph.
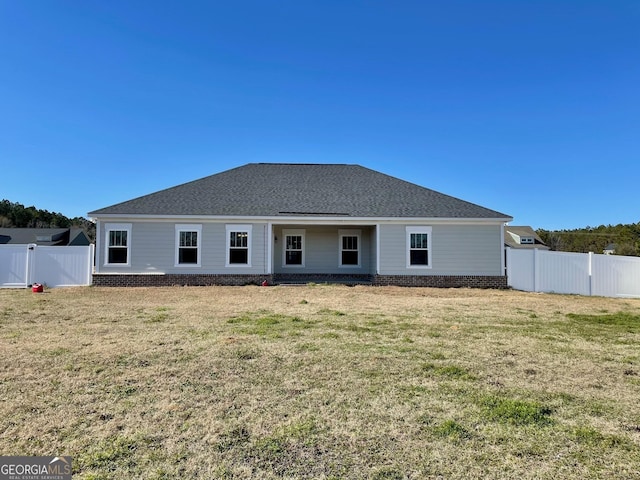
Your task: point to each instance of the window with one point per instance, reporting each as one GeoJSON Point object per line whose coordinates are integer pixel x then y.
{"type": "Point", "coordinates": [293, 248]}
{"type": "Point", "coordinates": [118, 246]}
{"type": "Point", "coordinates": [239, 245]}
{"type": "Point", "coordinates": [418, 247]}
{"type": "Point", "coordinates": [526, 241]}
{"type": "Point", "coordinates": [118, 241]}
{"type": "Point", "coordinates": [188, 241]}
{"type": "Point", "coordinates": [349, 248]}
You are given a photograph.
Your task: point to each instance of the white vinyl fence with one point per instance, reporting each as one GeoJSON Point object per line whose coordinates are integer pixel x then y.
{"type": "Point", "coordinates": [574, 273]}
{"type": "Point", "coordinates": [23, 265]}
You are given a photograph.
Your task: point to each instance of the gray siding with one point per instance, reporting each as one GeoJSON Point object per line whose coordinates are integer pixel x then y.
{"type": "Point", "coordinates": [153, 249]}
{"type": "Point", "coordinates": [456, 250]}
{"type": "Point", "coordinates": [322, 250]}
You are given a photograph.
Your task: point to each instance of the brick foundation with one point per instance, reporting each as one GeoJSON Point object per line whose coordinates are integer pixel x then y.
{"type": "Point", "coordinates": [442, 281]}
{"type": "Point", "coordinates": [170, 280]}
{"type": "Point", "coordinates": [345, 278]}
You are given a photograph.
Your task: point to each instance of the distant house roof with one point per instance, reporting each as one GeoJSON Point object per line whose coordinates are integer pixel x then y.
{"type": "Point", "coordinates": [523, 237]}
{"type": "Point", "coordinates": [276, 189]}
{"type": "Point", "coordinates": [43, 236]}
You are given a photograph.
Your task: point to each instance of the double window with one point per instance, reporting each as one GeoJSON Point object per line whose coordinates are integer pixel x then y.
{"type": "Point", "coordinates": [349, 248]}
{"type": "Point", "coordinates": [188, 241]}
{"type": "Point", "coordinates": [238, 245]}
{"type": "Point", "coordinates": [118, 242]}
{"type": "Point", "coordinates": [418, 247]}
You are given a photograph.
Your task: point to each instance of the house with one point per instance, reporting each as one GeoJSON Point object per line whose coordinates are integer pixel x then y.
{"type": "Point", "coordinates": [297, 223]}
{"type": "Point", "coordinates": [523, 237]}
{"type": "Point", "coordinates": [44, 236]}
{"type": "Point", "coordinates": [610, 249]}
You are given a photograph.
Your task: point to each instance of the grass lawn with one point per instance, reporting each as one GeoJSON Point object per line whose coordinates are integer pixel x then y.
{"type": "Point", "coordinates": [321, 382]}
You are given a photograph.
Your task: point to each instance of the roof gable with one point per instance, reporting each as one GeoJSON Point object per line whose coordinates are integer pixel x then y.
{"type": "Point", "coordinates": [514, 235]}
{"type": "Point", "coordinates": [275, 189]}
{"type": "Point", "coordinates": [40, 236]}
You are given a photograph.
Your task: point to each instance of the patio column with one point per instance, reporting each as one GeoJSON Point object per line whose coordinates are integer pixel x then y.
{"type": "Point", "coordinates": [269, 247]}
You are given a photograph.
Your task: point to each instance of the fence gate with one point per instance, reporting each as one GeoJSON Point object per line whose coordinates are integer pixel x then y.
{"type": "Point", "coordinates": [13, 265]}
{"type": "Point", "coordinates": [23, 265]}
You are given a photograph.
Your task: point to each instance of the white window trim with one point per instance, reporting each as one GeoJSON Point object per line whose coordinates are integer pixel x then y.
{"type": "Point", "coordinates": [350, 233]}
{"type": "Point", "coordinates": [297, 232]}
{"type": "Point", "coordinates": [409, 231]}
{"type": "Point", "coordinates": [110, 227]}
{"type": "Point", "coordinates": [181, 227]}
{"type": "Point", "coordinates": [238, 228]}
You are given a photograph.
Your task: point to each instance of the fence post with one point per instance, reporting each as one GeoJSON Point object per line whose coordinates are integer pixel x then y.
{"type": "Point", "coordinates": [92, 251]}
{"type": "Point", "coordinates": [536, 271]}
{"type": "Point", "coordinates": [31, 261]}
{"type": "Point", "coordinates": [26, 267]}
{"type": "Point", "coordinates": [590, 260]}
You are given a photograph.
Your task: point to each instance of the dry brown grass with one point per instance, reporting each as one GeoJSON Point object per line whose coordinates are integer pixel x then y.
{"type": "Point", "coordinates": [321, 382]}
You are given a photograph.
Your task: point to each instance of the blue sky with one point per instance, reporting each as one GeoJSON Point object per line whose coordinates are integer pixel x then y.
{"type": "Point", "coordinates": [531, 108]}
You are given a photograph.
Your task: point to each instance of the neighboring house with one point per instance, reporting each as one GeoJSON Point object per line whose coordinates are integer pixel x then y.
{"type": "Point", "coordinates": [299, 222]}
{"type": "Point", "coordinates": [610, 249]}
{"type": "Point", "coordinates": [523, 237]}
{"type": "Point", "coordinates": [43, 236]}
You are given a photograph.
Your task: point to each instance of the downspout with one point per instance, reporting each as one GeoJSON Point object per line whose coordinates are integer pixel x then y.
{"type": "Point", "coordinates": [502, 253]}
{"type": "Point", "coordinates": [99, 247]}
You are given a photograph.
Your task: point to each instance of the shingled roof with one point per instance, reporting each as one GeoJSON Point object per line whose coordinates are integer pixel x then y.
{"type": "Point", "coordinates": [44, 236]}
{"type": "Point", "coordinates": [277, 189]}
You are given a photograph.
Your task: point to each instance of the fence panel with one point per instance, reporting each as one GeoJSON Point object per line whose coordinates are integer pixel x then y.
{"type": "Point", "coordinates": [13, 265]}
{"type": "Point", "coordinates": [62, 266]}
{"type": "Point", "coordinates": [22, 265]}
{"type": "Point", "coordinates": [563, 272]}
{"type": "Point", "coordinates": [616, 276]}
{"type": "Point", "coordinates": [573, 273]}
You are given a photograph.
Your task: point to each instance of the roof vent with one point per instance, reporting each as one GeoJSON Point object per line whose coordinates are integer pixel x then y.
{"type": "Point", "coordinates": [315, 213]}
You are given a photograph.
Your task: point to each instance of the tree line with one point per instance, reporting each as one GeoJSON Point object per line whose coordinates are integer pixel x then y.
{"type": "Point", "coordinates": [18, 216]}
{"type": "Point", "coordinates": [624, 238]}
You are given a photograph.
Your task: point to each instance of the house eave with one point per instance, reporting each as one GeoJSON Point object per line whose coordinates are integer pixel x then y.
{"type": "Point", "coordinates": [300, 219]}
